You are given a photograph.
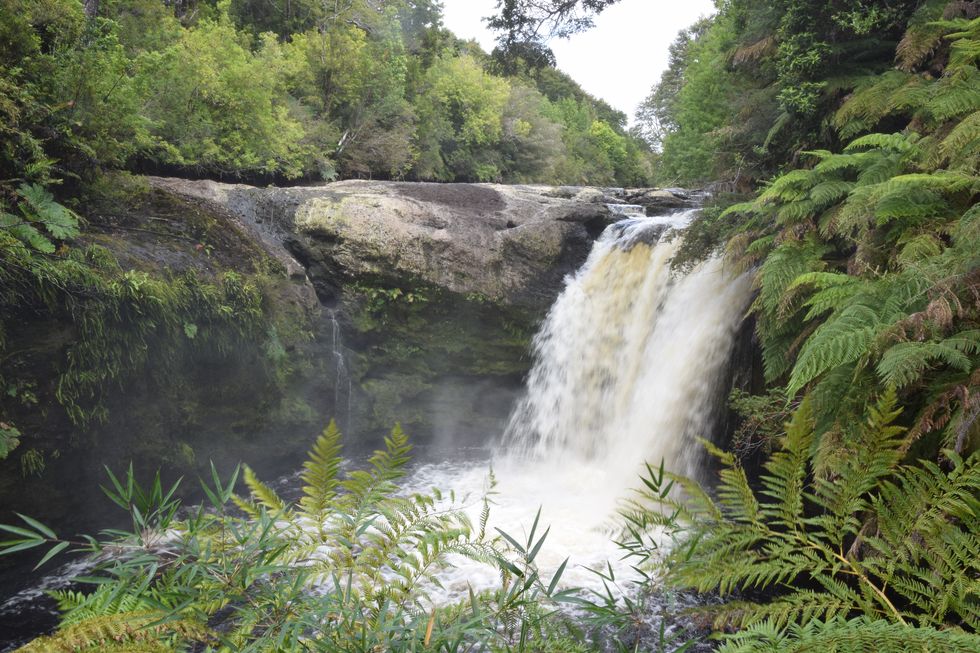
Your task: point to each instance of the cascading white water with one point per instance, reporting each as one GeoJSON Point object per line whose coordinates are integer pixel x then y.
{"type": "Point", "coordinates": [628, 368]}
{"type": "Point", "coordinates": [629, 359]}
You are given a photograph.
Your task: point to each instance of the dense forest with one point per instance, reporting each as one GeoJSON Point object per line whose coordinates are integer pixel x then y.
{"type": "Point", "coordinates": [841, 142]}
{"type": "Point", "coordinates": [844, 136]}
{"type": "Point", "coordinates": [305, 90]}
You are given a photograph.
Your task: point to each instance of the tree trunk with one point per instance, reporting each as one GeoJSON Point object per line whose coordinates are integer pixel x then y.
{"type": "Point", "coordinates": [91, 8]}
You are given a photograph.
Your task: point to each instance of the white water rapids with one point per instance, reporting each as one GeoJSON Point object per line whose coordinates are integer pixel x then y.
{"type": "Point", "coordinates": [628, 368]}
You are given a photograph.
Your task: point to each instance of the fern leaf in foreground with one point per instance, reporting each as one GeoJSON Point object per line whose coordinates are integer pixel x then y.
{"type": "Point", "coordinates": [895, 545]}
{"type": "Point", "coordinates": [320, 471]}
{"type": "Point", "coordinates": [848, 636]}
{"type": "Point", "coordinates": [128, 631]}
{"type": "Point", "coordinates": [262, 493]}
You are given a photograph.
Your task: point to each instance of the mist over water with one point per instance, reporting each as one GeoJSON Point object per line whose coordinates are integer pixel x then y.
{"type": "Point", "coordinates": [629, 367]}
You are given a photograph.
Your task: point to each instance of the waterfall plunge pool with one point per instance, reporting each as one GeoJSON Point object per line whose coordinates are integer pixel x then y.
{"type": "Point", "coordinates": [628, 368]}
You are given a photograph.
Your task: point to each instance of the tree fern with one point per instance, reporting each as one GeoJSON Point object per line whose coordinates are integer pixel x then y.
{"type": "Point", "coordinates": [871, 102]}
{"type": "Point", "coordinates": [965, 38]}
{"type": "Point", "coordinates": [868, 286]}
{"type": "Point", "coordinates": [922, 37]}
{"type": "Point", "coordinates": [917, 248]}
{"type": "Point", "coordinates": [906, 362]}
{"type": "Point", "coordinates": [957, 95]}
{"type": "Point", "coordinates": [962, 145]}
{"type": "Point", "coordinates": [844, 338]}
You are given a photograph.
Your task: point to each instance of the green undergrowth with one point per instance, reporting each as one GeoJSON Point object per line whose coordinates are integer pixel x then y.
{"type": "Point", "coordinates": [349, 566]}
{"type": "Point", "coordinates": [882, 555]}
{"type": "Point", "coordinates": [878, 553]}
{"type": "Point", "coordinates": [129, 296]}
{"type": "Point", "coordinates": [864, 249]}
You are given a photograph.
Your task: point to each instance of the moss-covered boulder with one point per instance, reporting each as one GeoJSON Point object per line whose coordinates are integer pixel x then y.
{"type": "Point", "coordinates": [508, 244]}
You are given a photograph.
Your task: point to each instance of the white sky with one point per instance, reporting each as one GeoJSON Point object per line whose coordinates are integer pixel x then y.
{"type": "Point", "coordinates": [618, 60]}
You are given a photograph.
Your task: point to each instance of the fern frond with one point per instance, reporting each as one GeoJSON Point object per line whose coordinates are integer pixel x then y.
{"type": "Point", "coordinates": [262, 493]}
{"type": "Point", "coordinates": [903, 143]}
{"type": "Point", "coordinates": [786, 470]}
{"type": "Point", "coordinates": [957, 95]}
{"type": "Point", "coordinates": [789, 187]}
{"type": "Point", "coordinates": [847, 636]}
{"type": "Point", "coordinates": [961, 145]}
{"type": "Point", "coordinates": [78, 606]}
{"type": "Point", "coordinates": [320, 472]}
{"type": "Point", "coordinates": [782, 267]}
{"type": "Point", "coordinates": [117, 632]}
{"type": "Point", "coordinates": [830, 192]}
{"type": "Point", "coordinates": [871, 102]}
{"type": "Point", "coordinates": [919, 248]}
{"type": "Point", "coordinates": [922, 36]}
{"type": "Point", "coordinates": [904, 363]}
{"type": "Point", "coordinates": [910, 204]}
{"type": "Point", "coordinates": [843, 338]}
{"type": "Point", "coordinates": [389, 464]}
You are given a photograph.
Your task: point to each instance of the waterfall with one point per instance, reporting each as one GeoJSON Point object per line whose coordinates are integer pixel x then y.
{"type": "Point", "coordinates": [629, 367]}
{"type": "Point", "coordinates": [342, 381]}
{"type": "Point", "coordinates": [629, 361]}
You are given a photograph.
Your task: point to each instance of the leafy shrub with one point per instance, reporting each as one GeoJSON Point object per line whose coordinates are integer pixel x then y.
{"type": "Point", "coordinates": [346, 568]}
{"type": "Point", "coordinates": [874, 554]}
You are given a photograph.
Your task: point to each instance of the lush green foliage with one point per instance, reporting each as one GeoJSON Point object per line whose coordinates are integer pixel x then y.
{"type": "Point", "coordinates": [868, 274]}
{"type": "Point", "coordinates": [346, 568]}
{"type": "Point", "coordinates": [238, 89]}
{"type": "Point", "coordinates": [867, 256]}
{"type": "Point", "coordinates": [861, 533]}
{"type": "Point", "coordinates": [868, 553]}
{"type": "Point", "coordinates": [750, 88]}
{"type": "Point", "coordinates": [108, 326]}
{"type": "Point", "coordinates": [250, 89]}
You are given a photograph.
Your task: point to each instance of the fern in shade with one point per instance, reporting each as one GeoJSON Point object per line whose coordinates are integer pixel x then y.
{"type": "Point", "coordinates": [350, 566]}
{"type": "Point", "coordinates": [868, 257]}
{"type": "Point", "coordinates": [878, 555]}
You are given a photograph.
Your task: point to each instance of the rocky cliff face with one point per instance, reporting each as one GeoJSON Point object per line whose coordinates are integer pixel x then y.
{"type": "Point", "coordinates": [180, 402]}
{"type": "Point", "coordinates": [397, 302]}
{"type": "Point", "coordinates": [509, 245]}
{"type": "Point", "coordinates": [435, 289]}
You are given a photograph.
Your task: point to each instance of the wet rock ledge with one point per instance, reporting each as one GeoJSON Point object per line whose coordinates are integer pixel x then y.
{"type": "Point", "coordinates": [508, 245]}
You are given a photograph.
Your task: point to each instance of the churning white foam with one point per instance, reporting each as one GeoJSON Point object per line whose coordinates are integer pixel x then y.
{"type": "Point", "coordinates": [628, 368]}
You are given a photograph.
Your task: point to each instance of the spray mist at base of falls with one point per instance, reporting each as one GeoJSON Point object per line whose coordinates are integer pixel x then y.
{"type": "Point", "coordinates": [629, 368]}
